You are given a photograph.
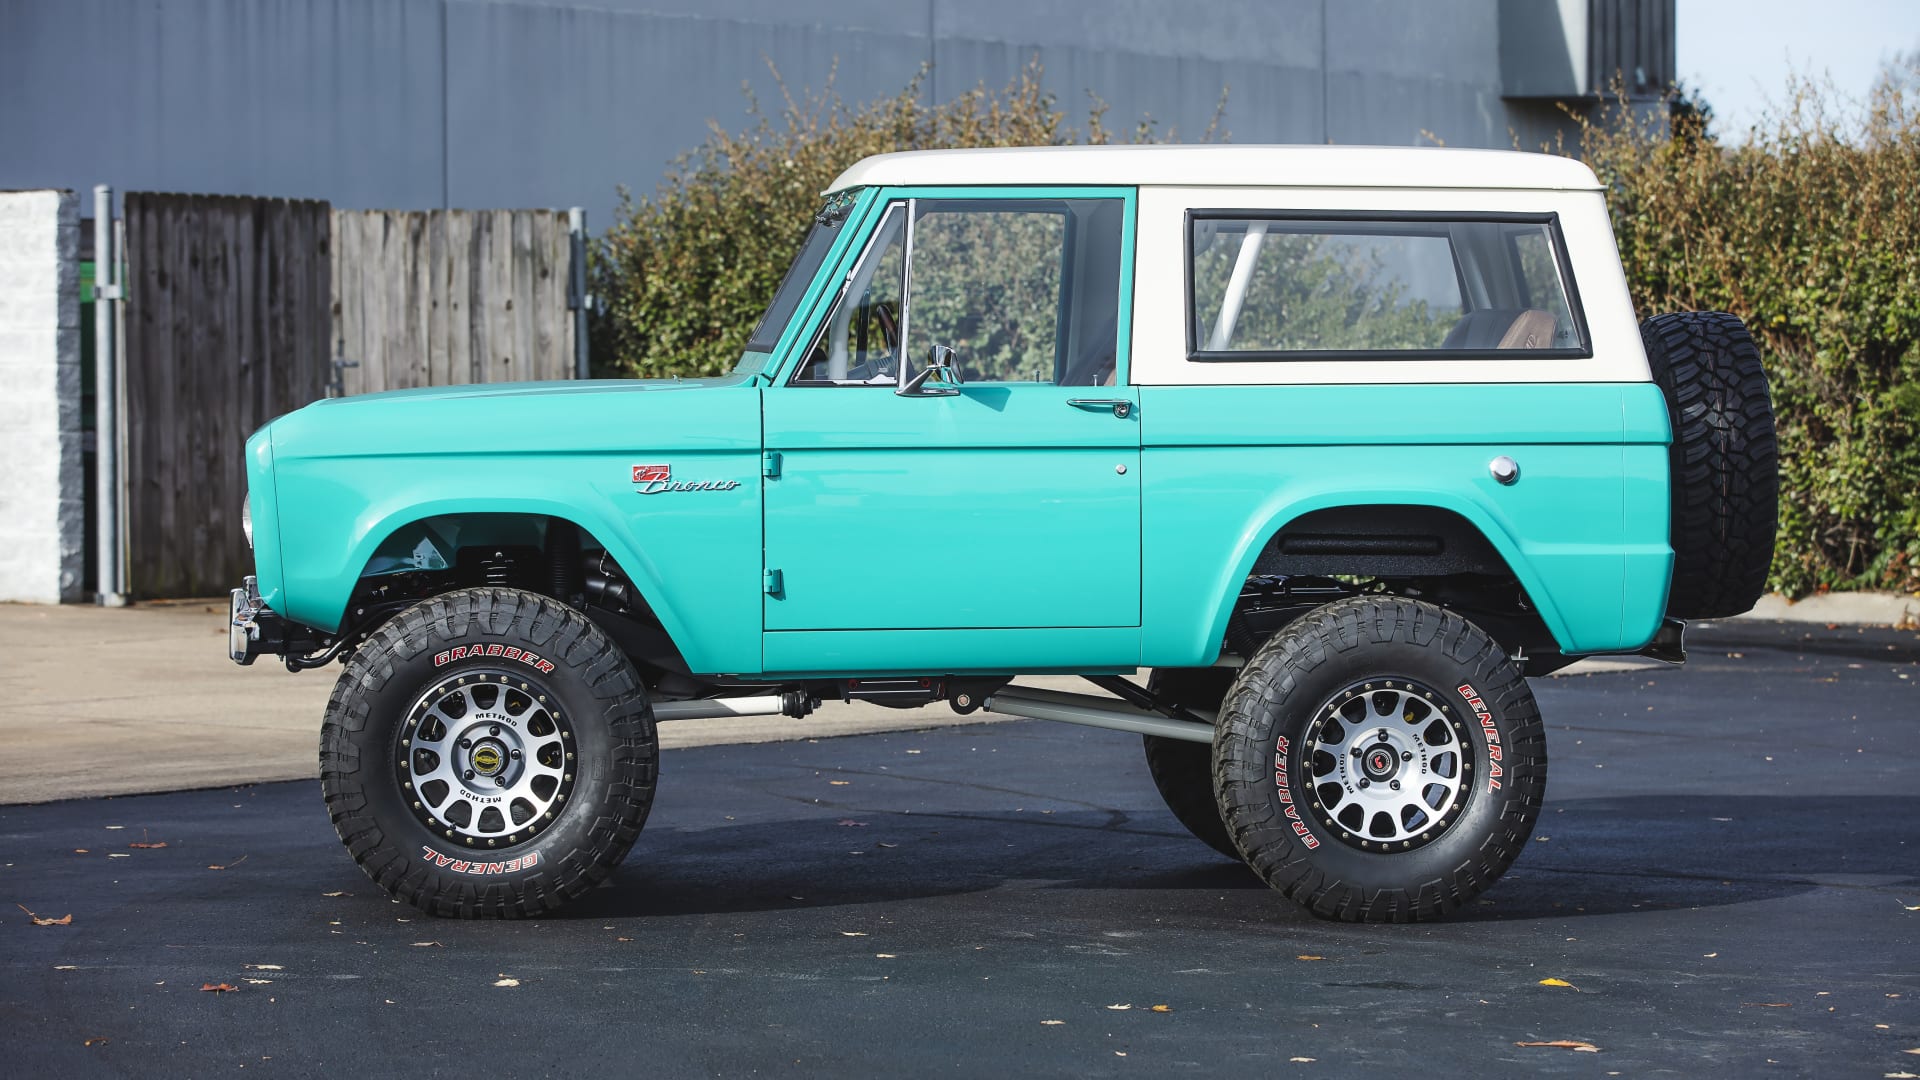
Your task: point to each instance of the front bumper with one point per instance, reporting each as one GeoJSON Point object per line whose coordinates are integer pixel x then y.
{"type": "Point", "coordinates": [253, 628]}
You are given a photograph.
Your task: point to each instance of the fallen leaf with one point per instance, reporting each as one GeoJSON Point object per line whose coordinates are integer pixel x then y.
{"type": "Point", "coordinates": [853, 933]}
{"type": "Point", "coordinates": [336, 894]}
{"type": "Point", "coordinates": [507, 982]}
{"type": "Point", "coordinates": [885, 956]}
{"type": "Point", "coordinates": [81, 851]}
{"type": "Point", "coordinates": [1558, 982]}
{"type": "Point", "coordinates": [1766, 1004]}
{"type": "Point", "coordinates": [887, 845]}
{"type": "Point", "coordinates": [1710, 955]}
{"type": "Point", "coordinates": [1119, 1008]}
{"type": "Point", "coordinates": [1911, 907]}
{"type": "Point", "coordinates": [1053, 1023]}
{"type": "Point", "coordinates": [1565, 1044]}
{"type": "Point", "coordinates": [1901, 1076]}
{"type": "Point", "coordinates": [218, 988]}
{"type": "Point", "coordinates": [67, 967]}
{"type": "Point", "coordinates": [428, 945]}
{"type": "Point", "coordinates": [64, 920]}
{"type": "Point", "coordinates": [1163, 1008]}
{"type": "Point", "coordinates": [149, 844]}
{"type": "Point", "coordinates": [1304, 956]}
{"type": "Point", "coordinates": [1915, 1050]}
{"type": "Point", "coordinates": [852, 824]}
{"type": "Point", "coordinates": [839, 783]}
{"type": "Point", "coordinates": [263, 967]}
{"type": "Point", "coordinates": [623, 939]}
{"type": "Point", "coordinates": [231, 865]}
{"type": "Point", "coordinates": [1300, 1059]}
{"type": "Point", "coordinates": [116, 826]}
{"type": "Point", "coordinates": [118, 855]}
{"type": "Point", "coordinates": [97, 1040]}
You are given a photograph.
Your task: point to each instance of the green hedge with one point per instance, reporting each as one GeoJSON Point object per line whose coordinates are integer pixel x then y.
{"type": "Point", "coordinates": [1809, 230]}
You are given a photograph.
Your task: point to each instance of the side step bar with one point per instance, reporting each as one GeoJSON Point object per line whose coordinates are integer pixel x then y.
{"type": "Point", "coordinates": [1102, 712]}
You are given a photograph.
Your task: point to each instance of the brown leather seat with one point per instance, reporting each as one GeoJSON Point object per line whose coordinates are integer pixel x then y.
{"type": "Point", "coordinates": [1532, 329]}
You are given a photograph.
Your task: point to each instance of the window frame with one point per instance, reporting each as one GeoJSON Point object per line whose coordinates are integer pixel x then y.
{"type": "Point", "coordinates": [1550, 219]}
{"type": "Point", "coordinates": [791, 358]}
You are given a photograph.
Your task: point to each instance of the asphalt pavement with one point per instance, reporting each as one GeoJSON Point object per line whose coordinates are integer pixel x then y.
{"type": "Point", "coordinates": [1725, 882]}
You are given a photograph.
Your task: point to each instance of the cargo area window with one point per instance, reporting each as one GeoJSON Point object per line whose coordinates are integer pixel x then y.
{"type": "Point", "coordinates": [1266, 286]}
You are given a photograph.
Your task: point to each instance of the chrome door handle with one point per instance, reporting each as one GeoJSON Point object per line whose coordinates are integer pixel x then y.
{"type": "Point", "coordinates": [1122, 408]}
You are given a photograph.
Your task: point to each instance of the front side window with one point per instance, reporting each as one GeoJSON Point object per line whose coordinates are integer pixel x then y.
{"type": "Point", "coordinates": [1287, 286]}
{"type": "Point", "coordinates": [1023, 290]}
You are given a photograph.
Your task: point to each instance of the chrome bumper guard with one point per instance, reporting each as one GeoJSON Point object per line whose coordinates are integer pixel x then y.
{"type": "Point", "coordinates": [253, 628]}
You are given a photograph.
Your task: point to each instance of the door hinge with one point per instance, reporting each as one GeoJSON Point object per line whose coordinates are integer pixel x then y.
{"type": "Point", "coordinates": [774, 585]}
{"type": "Point", "coordinates": [770, 464]}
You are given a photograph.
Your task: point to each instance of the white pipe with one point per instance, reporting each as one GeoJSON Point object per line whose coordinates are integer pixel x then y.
{"type": "Point", "coordinates": [1230, 304]}
{"type": "Point", "coordinates": [577, 260]}
{"type": "Point", "coordinates": [109, 591]}
{"type": "Point", "coordinates": [766, 705]}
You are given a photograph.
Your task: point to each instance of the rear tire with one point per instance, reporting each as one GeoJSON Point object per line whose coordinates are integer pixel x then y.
{"type": "Point", "coordinates": [488, 753]}
{"type": "Point", "coordinates": [1182, 770]}
{"type": "Point", "coordinates": [1724, 461]}
{"type": "Point", "coordinates": [1380, 760]}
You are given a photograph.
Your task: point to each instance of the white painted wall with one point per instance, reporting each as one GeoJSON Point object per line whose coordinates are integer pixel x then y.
{"type": "Point", "coordinates": [41, 503]}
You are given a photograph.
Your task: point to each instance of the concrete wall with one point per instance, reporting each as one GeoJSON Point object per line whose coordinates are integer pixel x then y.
{"type": "Point", "coordinates": [412, 104]}
{"type": "Point", "coordinates": [41, 517]}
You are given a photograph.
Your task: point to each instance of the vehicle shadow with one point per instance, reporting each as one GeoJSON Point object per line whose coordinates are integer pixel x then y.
{"type": "Point", "coordinates": [1588, 857]}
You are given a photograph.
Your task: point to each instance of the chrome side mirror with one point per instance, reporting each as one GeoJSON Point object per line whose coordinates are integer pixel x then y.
{"type": "Point", "coordinates": [940, 378]}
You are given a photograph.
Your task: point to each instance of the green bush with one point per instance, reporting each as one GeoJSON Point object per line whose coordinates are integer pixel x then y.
{"type": "Point", "coordinates": [1809, 230]}
{"type": "Point", "coordinates": [686, 272]}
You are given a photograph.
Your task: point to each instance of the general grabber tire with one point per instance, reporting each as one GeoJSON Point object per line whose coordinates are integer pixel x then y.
{"type": "Point", "coordinates": [488, 753]}
{"type": "Point", "coordinates": [1182, 770]}
{"type": "Point", "coordinates": [1346, 703]}
{"type": "Point", "coordinates": [1725, 476]}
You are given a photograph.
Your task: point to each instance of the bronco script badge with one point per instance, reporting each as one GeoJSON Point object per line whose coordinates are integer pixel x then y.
{"type": "Point", "coordinates": [658, 479]}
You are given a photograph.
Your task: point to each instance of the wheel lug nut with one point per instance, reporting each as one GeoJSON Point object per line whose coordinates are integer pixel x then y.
{"type": "Point", "coordinates": [1396, 785]}
{"type": "Point", "coordinates": [501, 781]}
{"type": "Point", "coordinates": [1365, 782]}
{"type": "Point", "coordinates": [494, 729]}
{"type": "Point", "coordinates": [516, 755]}
{"type": "Point", "coordinates": [466, 744]}
{"type": "Point", "coordinates": [1356, 751]}
{"type": "Point", "coordinates": [1406, 755]}
{"type": "Point", "coordinates": [469, 774]}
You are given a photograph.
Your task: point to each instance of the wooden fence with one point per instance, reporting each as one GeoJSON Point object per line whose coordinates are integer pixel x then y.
{"type": "Point", "coordinates": [238, 310]}
{"type": "Point", "coordinates": [226, 327]}
{"type": "Point", "coordinates": [433, 298]}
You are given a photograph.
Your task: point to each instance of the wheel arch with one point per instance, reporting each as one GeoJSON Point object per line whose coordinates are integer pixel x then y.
{"type": "Point", "coordinates": [382, 542]}
{"type": "Point", "coordinates": [1461, 519]}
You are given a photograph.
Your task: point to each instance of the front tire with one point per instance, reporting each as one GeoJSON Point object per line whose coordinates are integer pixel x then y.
{"type": "Point", "coordinates": [488, 753]}
{"type": "Point", "coordinates": [1380, 760]}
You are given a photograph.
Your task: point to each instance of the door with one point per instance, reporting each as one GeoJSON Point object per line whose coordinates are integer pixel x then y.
{"type": "Point", "coordinates": [1011, 503]}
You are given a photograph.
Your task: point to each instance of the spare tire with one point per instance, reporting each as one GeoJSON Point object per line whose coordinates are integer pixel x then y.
{"type": "Point", "coordinates": [1724, 461]}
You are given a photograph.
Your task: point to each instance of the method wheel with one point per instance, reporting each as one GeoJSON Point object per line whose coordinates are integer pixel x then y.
{"type": "Point", "coordinates": [1182, 770]}
{"type": "Point", "coordinates": [1380, 760]}
{"type": "Point", "coordinates": [488, 753]}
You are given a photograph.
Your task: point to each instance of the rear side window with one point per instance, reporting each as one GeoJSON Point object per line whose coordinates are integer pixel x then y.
{"type": "Point", "coordinates": [1266, 286]}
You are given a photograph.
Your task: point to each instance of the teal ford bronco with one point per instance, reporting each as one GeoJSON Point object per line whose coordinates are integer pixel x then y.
{"type": "Point", "coordinates": [1342, 445]}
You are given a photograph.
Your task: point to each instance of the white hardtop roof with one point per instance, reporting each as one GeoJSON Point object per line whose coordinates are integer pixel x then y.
{"type": "Point", "coordinates": [1224, 165]}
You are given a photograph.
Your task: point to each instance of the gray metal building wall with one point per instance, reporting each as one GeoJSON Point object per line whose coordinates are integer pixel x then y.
{"type": "Point", "coordinates": [505, 103]}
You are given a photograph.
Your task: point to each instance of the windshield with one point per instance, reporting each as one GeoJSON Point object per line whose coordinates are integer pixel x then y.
{"type": "Point", "coordinates": [793, 286]}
